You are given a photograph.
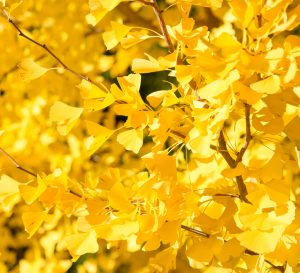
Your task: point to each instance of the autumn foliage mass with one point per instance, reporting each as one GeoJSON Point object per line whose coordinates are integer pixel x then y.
{"type": "Point", "coordinates": [149, 136]}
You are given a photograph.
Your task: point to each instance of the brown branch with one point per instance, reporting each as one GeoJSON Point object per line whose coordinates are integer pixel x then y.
{"type": "Point", "coordinates": [50, 52]}
{"type": "Point", "coordinates": [18, 166]}
{"type": "Point", "coordinates": [281, 268]}
{"type": "Point", "coordinates": [222, 148]}
{"type": "Point", "coordinates": [224, 151]}
{"type": "Point", "coordinates": [198, 232]}
{"type": "Point", "coordinates": [161, 21]}
{"type": "Point", "coordinates": [248, 135]}
{"type": "Point", "coordinates": [16, 163]}
{"type": "Point", "coordinates": [232, 164]}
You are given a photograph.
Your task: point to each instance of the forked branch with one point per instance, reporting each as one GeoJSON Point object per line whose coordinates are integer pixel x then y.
{"type": "Point", "coordinates": [161, 21]}
{"type": "Point", "coordinates": [222, 148]}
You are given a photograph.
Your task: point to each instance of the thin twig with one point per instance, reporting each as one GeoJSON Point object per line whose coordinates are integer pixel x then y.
{"type": "Point", "coordinates": [281, 268]}
{"type": "Point", "coordinates": [224, 151]}
{"type": "Point", "coordinates": [196, 231]}
{"type": "Point", "coordinates": [49, 51]}
{"type": "Point", "coordinates": [161, 21]}
{"type": "Point", "coordinates": [16, 163]}
{"type": "Point", "coordinates": [248, 135]}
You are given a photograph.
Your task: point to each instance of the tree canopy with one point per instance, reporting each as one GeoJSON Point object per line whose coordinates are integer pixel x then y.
{"type": "Point", "coordinates": [150, 136]}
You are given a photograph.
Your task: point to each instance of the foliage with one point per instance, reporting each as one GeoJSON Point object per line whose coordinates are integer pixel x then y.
{"type": "Point", "coordinates": [144, 136]}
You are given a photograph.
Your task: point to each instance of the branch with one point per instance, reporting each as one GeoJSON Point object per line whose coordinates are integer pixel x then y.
{"type": "Point", "coordinates": [198, 232]}
{"type": "Point", "coordinates": [222, 148]}
{"type": "Point", "coordinates": [248, 135]}
{"type": "Point", "coordinates": [161, 21]}
{"type": "Point", "coordinates": [224, 151]}
{"type": "Point", "coordinates": [232, 164]}
{"type": "Point", "coordinates": [50, 52]}
{"type": "Point", "coordinates": [16, 163]}
{"type": "Point", "coordinates": [27, 171]}
{"type": "Point", "coordinates": [281, 268]}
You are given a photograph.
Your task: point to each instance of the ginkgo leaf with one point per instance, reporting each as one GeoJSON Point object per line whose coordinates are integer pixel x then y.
{"type": "Point", "coordinates": [99, 8]}
{"type": "Point", "coordinates": [113, 37]}
{"type": "Point", "coordinates": [9, 192]}
{"type": "Point", "coordinates": [146, 66]}
{"type": "Point", "coordinates": [117, 229]}
{"type": "Point", "coordinates": [33, 220]}
{"type": "Point", "coordinates": [199, 144]}
{"type": "Point", "coordinates": [261, 242]}
{"type": "Point", "coordinates": [90, 91]}
{"type": "Point", "coordinates": [165, 97]}
{"type": "Point", "coordinates": [245, 93]}
{"type": "Point", "coordinates": [31, 193]}
{"type": "Point", "coordinates": [292, 129]}
{"type": "Point", "coordinates": [131, 139]}
{"type": "Point", "coordinates": [100, 135]}
{"type": "Point", "coordinates": [204, 3]}
{"type": "Point", "coordinates": [30, 70]}
{"type": "Point", "coordinates": [164, 261]}
{"type": "Point", "coordinates": [99, 104]}
{"type": "Point", "coordinates": [133, 38]}
{"type": "Point", "coordinates": [118, 198]}
{"type": "Point", "coordinates": [169, 232]}
{"type": "Point", "coordinates": [65, 116]}
{"type": "Point", "coordinates": [81, 243]}
{"type": "Point", "coordinates": [3, 2]}
{"type": "Point", "coordinates": [233, 172]}
{"type": "Point", "coordinates": [270, 85]}
{"type": "Point", "coordinates": [203, 250]}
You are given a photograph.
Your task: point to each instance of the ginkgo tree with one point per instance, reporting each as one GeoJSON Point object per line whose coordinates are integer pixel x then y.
{"type": "Point", "coordinates": [150, 136]}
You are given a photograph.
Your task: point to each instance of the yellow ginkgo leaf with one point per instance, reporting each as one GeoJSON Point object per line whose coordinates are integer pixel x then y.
{"type": "Point", "coordinates": [146, 66]}
{"type": "Point", "coordinates": [9, 192]}
{"type": "Point", "coordinates": [206, 3]}
{"type": "Point", "coordinates": [99, 8]}
{"type": "Point", "coordinates": [31, 193]}
{"type": "Point", "coordinates": [245, 93]}
{"type": "Point", "coordinates": [33, 220]}
{"type": "Point", "coordinates": [99, 133]}
{"type": "Point", "coordinates": [2, 2]}
{"type": "Point", "coordinates": [166, 97]}
{"type": "Point", "coordinates": [113, 37]}
{"type": "Point", "coordinates": [199, 144]}
{"type": "Point", "coordinates": [292, 129]}
{"type": "Point", "coordinates": [65, 116]}
{"type": "Point", "coordinates": [117, 229]}
{"type": "Point", "coordinates": [164, 261]}
{"type": "Point", "coordinates": [90, 91]}
{"type": "Point", "coordinates": [30, 70]}
{"type": "Point", "coordinates": [99, 104]}
{"type": "Point", "coordinates": [133, 38]}
{"type": "Point", "coordinates": [270, 85]}
{"type": "Point", "coordinates": [118, 198]}
{"type": "Point", "coordinates": [233, 172]}
{"type": "Point", "coordinates": [203, 250]}
{"type": "Point", "coordinates": [132, 140]}
{"type": "Point", "coordinates": [81, 243]}
{"type": "Point", "coordinates": [261, 242]}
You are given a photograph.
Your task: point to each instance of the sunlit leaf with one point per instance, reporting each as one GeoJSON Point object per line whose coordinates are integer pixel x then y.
{"type": "Point", "coordinates": [30, 70]}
